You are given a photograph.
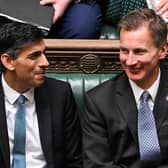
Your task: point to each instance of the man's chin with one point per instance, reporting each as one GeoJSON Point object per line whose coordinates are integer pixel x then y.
{"type": "Point", "coordinates": [39, 82]}
{"type": "Point", "coordinates": [134, 77]}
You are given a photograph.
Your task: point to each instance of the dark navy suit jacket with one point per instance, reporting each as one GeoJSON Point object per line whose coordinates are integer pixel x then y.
{"type": "Point", "coordinates": [58, 126]}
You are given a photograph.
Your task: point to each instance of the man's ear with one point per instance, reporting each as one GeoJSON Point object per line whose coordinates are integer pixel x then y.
{"type": "Point", "coordinates": [7, 62]}
{"type": "Point", "coordinates": [163, 51]}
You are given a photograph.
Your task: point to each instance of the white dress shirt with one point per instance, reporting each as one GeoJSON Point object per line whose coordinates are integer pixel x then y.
{"type": "Point", "coordinates": [34, 153]}
{"type": "Point", "coordinates": [137, 91]}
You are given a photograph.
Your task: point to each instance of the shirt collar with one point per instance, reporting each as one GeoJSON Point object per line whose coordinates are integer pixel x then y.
{"type": "Point", "coordinates": [12, 95]}
{"type": "Point", "coordinates": [152, 90]}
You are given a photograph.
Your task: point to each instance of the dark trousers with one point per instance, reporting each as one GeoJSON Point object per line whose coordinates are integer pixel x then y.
{"type": "Point", "coordinates": [81, 20]}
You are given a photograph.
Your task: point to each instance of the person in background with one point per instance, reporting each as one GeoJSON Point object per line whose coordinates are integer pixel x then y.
{"type": "Point", "coordinates": [79, 19]}
{"type": "Point", "coordinates": [161, 7]}
{"type": "Point", "coordinates": [39, 124]}
{"type": "Point", "coordinates": [114, 10]}
{"type": "Point", "coordinates": [125, 122]}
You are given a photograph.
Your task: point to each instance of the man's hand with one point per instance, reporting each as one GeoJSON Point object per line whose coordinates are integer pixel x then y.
{"type": "Point", "coordinates": [162, 8]}
{"type": "Point", "coordinates": [58, 5]}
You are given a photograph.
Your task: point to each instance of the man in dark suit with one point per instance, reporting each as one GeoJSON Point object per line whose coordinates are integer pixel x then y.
{"type": "Point", "coordinates": [111, 133]}
{"type": "Point", "coordinates": [53, 138]}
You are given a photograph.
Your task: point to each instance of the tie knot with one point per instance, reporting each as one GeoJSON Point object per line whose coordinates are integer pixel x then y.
{"type": "Point", "coordinates": [145, 96]}
{"type": "Point", "coordinates": [21, 99]}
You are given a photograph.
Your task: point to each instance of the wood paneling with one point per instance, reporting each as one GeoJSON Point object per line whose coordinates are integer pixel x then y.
{"type": "Point", "coordinates": [86, 56]}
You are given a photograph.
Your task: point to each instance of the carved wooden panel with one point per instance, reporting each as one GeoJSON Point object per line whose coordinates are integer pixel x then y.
{"type": "Point", "coordinates": [86, 56]}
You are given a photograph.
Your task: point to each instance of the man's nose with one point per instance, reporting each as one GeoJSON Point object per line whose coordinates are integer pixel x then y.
{"type": "Point", "coordinates": [131, 59]}
{"type": "Point", "coordinates": [44, 61]}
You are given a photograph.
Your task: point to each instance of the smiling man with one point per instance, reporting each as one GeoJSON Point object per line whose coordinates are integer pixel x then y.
{"type": "Point", "coordinates": [128, 127]}
{"type": "Point", "coordinates": [39, 126]}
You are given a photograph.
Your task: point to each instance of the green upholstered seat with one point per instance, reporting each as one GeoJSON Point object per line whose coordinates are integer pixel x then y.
{"type": "Point", "coordinates": [112, 11]}
{"type": "Point", "coordinates": [81, 83]}
{"type": "Point", "coordinates": [109, 32]}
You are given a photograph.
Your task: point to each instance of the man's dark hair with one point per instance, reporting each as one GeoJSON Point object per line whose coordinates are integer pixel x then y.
{"type": "Point", "coordinates": [139, 17]}
{"type": "Point", "coordinates": [14, 36]}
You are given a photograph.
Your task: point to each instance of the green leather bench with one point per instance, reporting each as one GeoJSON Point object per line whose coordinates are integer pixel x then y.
{"type": "Point", "coordinates": [81, 83]}
{"type": "Point", "coordinates": [82, 63]}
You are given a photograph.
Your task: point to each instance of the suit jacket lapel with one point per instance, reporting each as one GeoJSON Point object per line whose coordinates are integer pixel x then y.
{"type": "Point", "coordinates": [161, 102]}
{"type": "Point", "coordinates": [44, 121]}
{"type": "Point", "coordinates": [127, 105]}
{"type": "Point", "coordinates": [4, 140]}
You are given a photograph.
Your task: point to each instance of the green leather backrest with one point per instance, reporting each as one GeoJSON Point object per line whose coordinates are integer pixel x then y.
{"type": "Point", "coordinates": [109, 32]}
{"type": "Point", "coordinates": [81, 83]}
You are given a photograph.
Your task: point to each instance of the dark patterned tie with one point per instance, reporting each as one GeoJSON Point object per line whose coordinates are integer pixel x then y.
{"type": "Point", "coordinates": [147, 133]}
{"type": "Point", "coordinates": [19, 160]}
{"type": "Point", "coordinates": [129, 5]}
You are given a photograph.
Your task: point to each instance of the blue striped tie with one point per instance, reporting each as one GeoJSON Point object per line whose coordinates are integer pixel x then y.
{"type": "Point", "coordinates": [147, 134]}
{"type": "Point", "coordinates": [19, 160]}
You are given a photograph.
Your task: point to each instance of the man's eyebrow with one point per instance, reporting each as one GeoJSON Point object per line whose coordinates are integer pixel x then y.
{"type": "Point", "coordinates": [35, 53]}
{"type": "Point", "coordinates": [121, 47]}
{"type": "Point", "coordinates": [140, 49]}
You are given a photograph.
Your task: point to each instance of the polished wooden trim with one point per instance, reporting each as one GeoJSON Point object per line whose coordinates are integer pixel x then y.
{"type": "Point", "coordinates": [80, 44]}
